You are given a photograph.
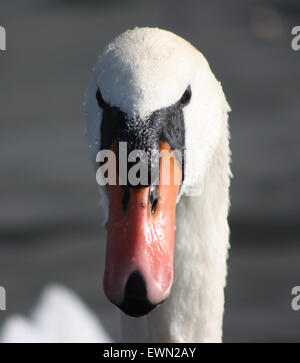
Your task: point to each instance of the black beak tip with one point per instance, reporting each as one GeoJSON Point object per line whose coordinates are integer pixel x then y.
{"type": "Point", "coordinates": [135, 302]}
{"type": "Point", "coordinates": [136, 308]}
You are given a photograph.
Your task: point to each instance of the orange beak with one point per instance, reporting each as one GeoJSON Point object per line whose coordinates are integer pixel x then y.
{"type": "Point", "coordinates": [140, 243]}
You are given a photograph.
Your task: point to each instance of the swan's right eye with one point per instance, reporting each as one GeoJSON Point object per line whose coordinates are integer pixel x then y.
{"type": "Point", "coordinates": [100, 99]}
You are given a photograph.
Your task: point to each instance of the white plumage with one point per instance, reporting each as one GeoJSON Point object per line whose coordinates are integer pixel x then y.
{"type": "Point", "coordinates": [59, 317]}
{"type": "Point", "coordinates": [141, 71]}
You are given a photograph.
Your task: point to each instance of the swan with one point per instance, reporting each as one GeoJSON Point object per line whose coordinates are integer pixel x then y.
{"type": "Point", "coordinates": [59, 316]}
{"type": "Point", "coordinates": [167, 246]}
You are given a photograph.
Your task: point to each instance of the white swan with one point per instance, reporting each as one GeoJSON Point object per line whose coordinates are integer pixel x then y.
{"type": "Point", "coordinates": [140, 72]}
{"type": "Point", "coordinates": [145, 77]}
{"type": "Point", "coordinates": [60, 316]}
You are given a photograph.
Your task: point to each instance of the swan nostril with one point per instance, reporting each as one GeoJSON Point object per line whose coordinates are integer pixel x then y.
{"type": "Point", "coordinates": [153, 197]}
{"type": "Point", "coordinates": [135, 301]}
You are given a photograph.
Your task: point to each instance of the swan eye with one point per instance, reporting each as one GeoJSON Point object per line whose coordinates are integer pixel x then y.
{"type": "Point", "coordinates": [100, 100]}
{"type": "Point", "coordinates": [186, 97]}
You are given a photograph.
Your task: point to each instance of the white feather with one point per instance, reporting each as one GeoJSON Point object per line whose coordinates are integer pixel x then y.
{"type": "Point", "coordinates": [60, 317]}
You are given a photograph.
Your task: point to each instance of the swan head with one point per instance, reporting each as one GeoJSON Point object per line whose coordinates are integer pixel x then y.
{"type": "Point", "coordinates": [153, 94]}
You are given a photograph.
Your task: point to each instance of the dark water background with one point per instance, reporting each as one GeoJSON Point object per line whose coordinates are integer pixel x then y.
{"type": "Point", "coordinates": [50, 227]}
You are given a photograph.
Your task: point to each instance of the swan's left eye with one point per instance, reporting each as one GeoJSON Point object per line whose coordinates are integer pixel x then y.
{"type": "Point", "coordinates": [186, 97]}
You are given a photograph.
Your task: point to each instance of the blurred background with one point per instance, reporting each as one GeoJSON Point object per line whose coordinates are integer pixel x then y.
{"type": "Point", "coordinates": [50, 224]}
